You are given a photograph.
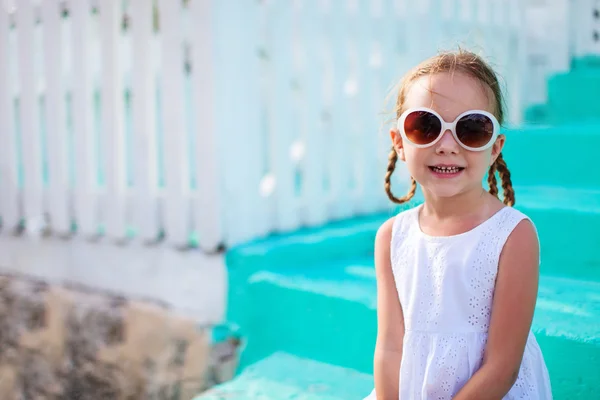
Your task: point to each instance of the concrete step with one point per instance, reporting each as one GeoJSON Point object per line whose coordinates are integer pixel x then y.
{"type": "Point", "coordinates": [554, 155]}
{"type": "Point", "coordinates": [313, 294]}
{"type": "Point", "coordinates": [283, 376]}
{"type": "Point", "coordinates": [329, 315]}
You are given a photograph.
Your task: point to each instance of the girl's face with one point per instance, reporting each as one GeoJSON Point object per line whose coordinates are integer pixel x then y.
{"type": "Point", "coordinates": [449, 95]}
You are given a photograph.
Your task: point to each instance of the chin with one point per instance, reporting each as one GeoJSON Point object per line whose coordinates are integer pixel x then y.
{"type": "Point", "coordinates": [449, 192]}
{"type": "Point", "coordinates": [449, 189]}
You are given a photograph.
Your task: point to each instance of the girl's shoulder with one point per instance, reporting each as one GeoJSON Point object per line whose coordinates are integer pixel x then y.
{"type": "Point", "coordinates": [510, 217]}
{"type": "Point", "coordinates": [395, 225]}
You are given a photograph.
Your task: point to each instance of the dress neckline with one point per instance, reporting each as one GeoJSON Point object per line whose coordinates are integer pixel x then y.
{"type": "Point", "coordinates": [476, 228]}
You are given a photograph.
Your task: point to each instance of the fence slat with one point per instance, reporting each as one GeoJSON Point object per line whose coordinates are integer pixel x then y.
{"type": "Point", "coordinates": [515, 43]}
{"type": "Point", "coordinates": [340, 179]}
{"type": "Point", "coordinates": [385, 79]}
{"type": "Point", "coordinates": [207, 206]}
{"type": "Point", "coordinates": [364, 65]}
{"type": "Point", "coordinates": [144, 122]}
{"type": "Point", "coordinates": [283, 125]}
{"type": "Point", "coordinates": [9, 200]}
{"type": "Point", "coordinates": [311, 82]}
{"type": "Point", "coordinates": [86, 182]}
{"type": "Point", "coordinates": [112, 95]}
{"type": "Point", "coordinates": [54, 101]}
{"type": "Point", "coordinates": [448, 9]}
{"type": "Point", "coordinates": [29, 114]}
{"type": "Point", "coordinates": [176, 168]}
{"type": "Point", "coordinates": [238, 119]}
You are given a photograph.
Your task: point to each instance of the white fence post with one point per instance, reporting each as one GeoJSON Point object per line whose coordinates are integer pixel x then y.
{"type": "Point", "coordinates": [311, 79]}
{"type": "Point", "coordinates": [112, 95]}
{"type": "Point", "coordinates": [238, 118]}
{"type": "Point", "coordinates": [175, 150]}
{"type": "Point", "coordinates": [283, 126]}
{"type": "Point", "coordinates": [144, 121]}
{"type": "Point", "coordinates": [86, 182]}
{"type": "Point", "coordinates": [338, 88]}
{"type": "Point", "coordinates": [9, 198]}
{"type": "Point", "coordinates": [207, 202]}
{"type": "Point", "coordinates": [29, 115]}
{"type": "Point", "coordinates": [54, 102]}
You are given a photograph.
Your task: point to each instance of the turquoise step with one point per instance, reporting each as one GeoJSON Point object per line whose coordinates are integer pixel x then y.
{"type": "Point", "coordinates": [282, 376]}
{"type": "Point", "coordinates": [563, 156]}
{"type": "Point", "coordinates": [571, 95]}
{"type": "Point", "coordinates": [568, 224]}
{"type": "Point", "coordinates": [313, 293]}
{"type": "Point", "coordinates": [310, 313]}
{"type": "Point", "coordinates": [329, 315]}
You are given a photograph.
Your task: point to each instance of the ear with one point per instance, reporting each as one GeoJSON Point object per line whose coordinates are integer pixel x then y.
{"type": "Point", "coordinates": [397, 143]}
{"type": "Point", "coordinates": [497, 148]}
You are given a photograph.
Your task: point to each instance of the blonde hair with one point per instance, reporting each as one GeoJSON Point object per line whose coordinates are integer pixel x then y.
{"type": "Point", "coordinates": [471, 65]}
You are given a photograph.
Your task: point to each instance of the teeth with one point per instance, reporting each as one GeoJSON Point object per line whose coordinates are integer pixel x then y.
{"type": "Point", "coordinates": [446, 170]}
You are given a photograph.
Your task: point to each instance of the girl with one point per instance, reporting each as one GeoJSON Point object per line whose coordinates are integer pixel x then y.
{"type": "Point", "coordinates": [457, 276]}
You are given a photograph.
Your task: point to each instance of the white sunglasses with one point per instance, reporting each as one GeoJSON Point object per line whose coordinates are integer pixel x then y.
{"type": "Point", "coordinates": [474, 130]}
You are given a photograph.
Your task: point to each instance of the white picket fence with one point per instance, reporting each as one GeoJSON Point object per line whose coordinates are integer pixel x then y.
{"type": "Point", "coordinates": [215, 122]}
{"type": "Point", "coordinates": [276, 126]}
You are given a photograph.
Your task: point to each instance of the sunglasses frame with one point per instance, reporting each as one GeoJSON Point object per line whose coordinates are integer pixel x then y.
{"type": "Point", "coordinates": [449, 126]}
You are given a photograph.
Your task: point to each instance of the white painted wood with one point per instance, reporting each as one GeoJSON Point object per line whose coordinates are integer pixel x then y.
{"type": "Point", "coordinates": [265, 206]}
{"type": "Point", "coordinates": [321, 104]}
{"type": "Point", "coordinates": [113, 135]}
{"type": "Point", "coordinates": [483, 12]}
{"type": "Point", "coordinates": [362, 106]}
{"type": "Point", "coordinates": [238, 119]}
{"type": "Point", "coordinates": [448, 8]}
{"type": "Point", "coordinates": [385, 86]}
{"type": "Point", "coordinates": [145, 213]}
{"type": "Point", "coordinates": [190, 282]}
{"type": "Point", "coordinates": [29, 116]}
{"type": "Point", "coordinates": [497, 7]}
{"type": "Point", "coordinates": [283, 124]}
{"type": "Point", "coordinates": [516, 39]}
{"type": "Point", "coordinates": [55, 103]}
{"type": "Point", "coordinates": [465, 10]}
{"type": "Point", "coordinates": [340, 86]}
{"type": "Point", "coordinates": [177, 183]}
{"type": "Point", "coordinates": [86, 182]}
{"type": "Point", "coordinates": [401, 7]}
{"type": "Point", "coordinates": [310, 69]}
{"type": "Point", "coordinates": [424, 6]}
{"type": "Point", "coordinates": [515, 12]}
{"type": "Point", "coordinates": [208, 211]}
{"type": "Point", "coordinates": [561, 56]}
{"type": "Point", "coordinates": [9, 200]}
{"type": "Point", "coordinates": [594, 48]}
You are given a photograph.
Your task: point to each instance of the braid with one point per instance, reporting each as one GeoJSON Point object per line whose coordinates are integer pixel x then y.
{"type": "Point", "coordinates": [393, 157]}
{"type": "Point", "coordinates": [509, 192]}
{"type": "Point", "coordinates": [492, 182]}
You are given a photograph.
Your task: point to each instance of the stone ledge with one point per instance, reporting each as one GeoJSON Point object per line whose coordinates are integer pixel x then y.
{"type": "Point", "coordinates": [63, 342]}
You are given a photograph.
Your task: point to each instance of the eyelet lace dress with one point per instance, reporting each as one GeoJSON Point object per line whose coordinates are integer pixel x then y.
{"type": "Point", "coordinates": [445, 285]}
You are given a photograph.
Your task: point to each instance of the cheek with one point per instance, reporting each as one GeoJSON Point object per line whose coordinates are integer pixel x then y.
{"type": "Point", "coordinates": [480, 162]}
{"type": "Point", "coordinates": [414, 155]}
{"type": "Point", "coordinates": [416, 159]}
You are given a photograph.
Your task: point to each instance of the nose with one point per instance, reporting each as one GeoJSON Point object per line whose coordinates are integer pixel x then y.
{"type": "Point", "coordinates": [447, 144]}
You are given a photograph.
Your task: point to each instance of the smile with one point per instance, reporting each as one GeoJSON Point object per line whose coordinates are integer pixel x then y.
{"type": "Point", "coordinates": [446, 169]}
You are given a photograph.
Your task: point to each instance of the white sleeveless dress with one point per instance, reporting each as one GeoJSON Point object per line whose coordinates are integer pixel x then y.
{"type": "Point", "coordinates": [446, 286]}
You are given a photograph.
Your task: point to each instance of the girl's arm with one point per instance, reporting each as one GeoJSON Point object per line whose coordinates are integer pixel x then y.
{"type": "Point", "coordinates": [390, 320]}
{"type": "Point", "coordinates": [512, 313]}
